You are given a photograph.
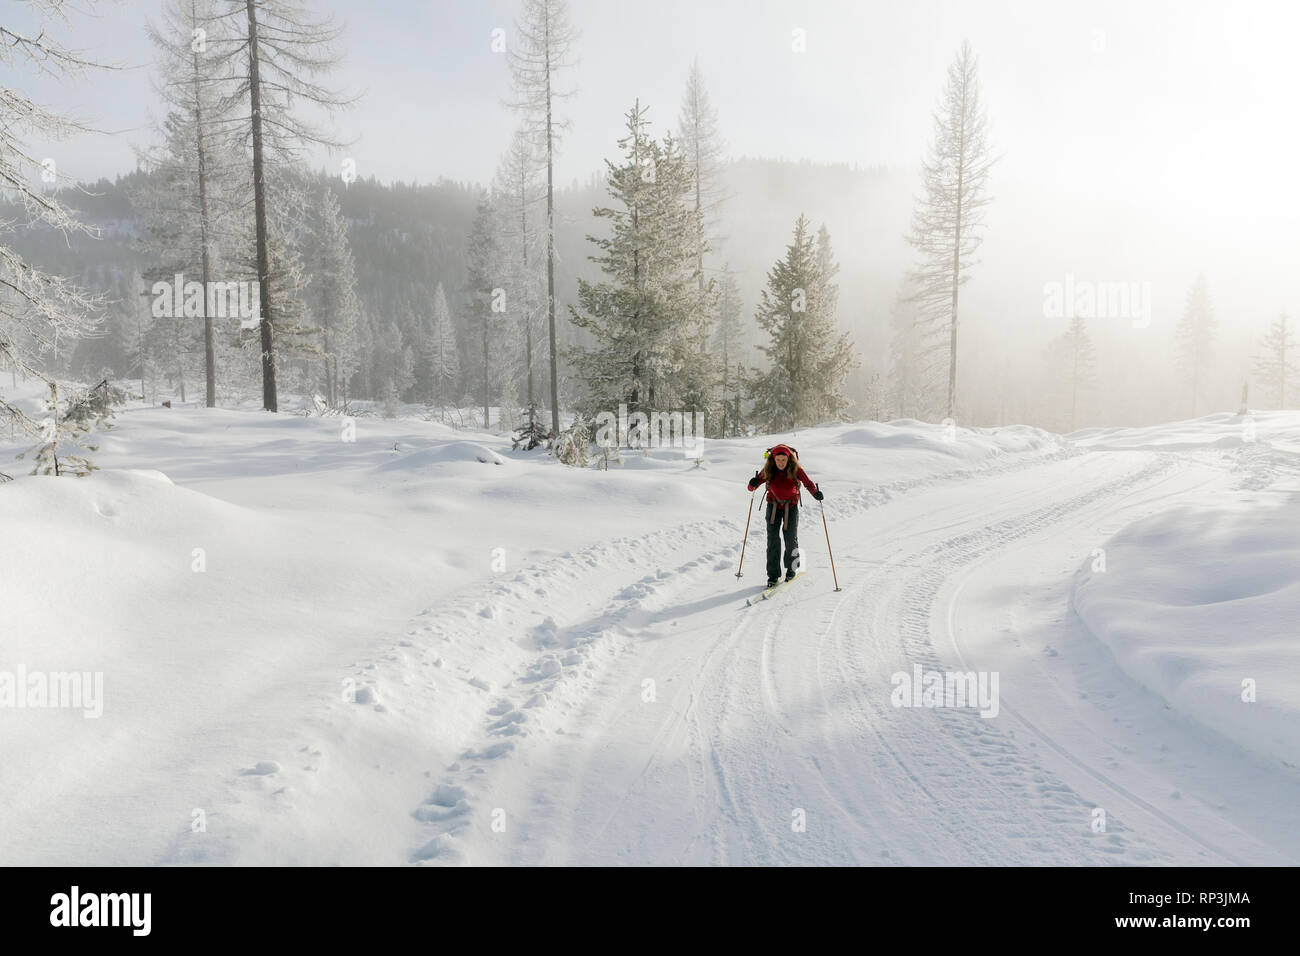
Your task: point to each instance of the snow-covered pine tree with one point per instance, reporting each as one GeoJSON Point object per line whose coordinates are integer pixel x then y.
{"type": "Point", "coordinates": [1273, 366]}
{"type": "Point", "coordinates": [392, 367]}
{"type": "Point", "coordinates": [106, 355]}
{"type": "Point", "coordinates": [648, 319]}
{"type": "Point", "coordinates": [361, 383]}
{"type": "Point", "coordinates": [38, 310]}
{"type": "Point", "coordinates": [404, 372]}
{"type": "Point", "coordinates": [809, 357]}
{"type": "Point", "coordinates": [332, 297]}
{"type": "Point", "coordinates": [485, 283]}
{"type": "Point", "coordinates": [947, 219]}
{"type": "Point", "coordinates": [420, 323]}
{"type": "Point", "coordinates": [727, 344]}
{"type": "Point", "coordinates": [1071, 362]}
{"type": "Point", "coordinates": [911, 389]}
{"type": "Point", "coordinates": [1194, 338]}
{"type": "Point", "coordinates": [298, 339]}
{"type": "Point", "coordinates": [573, 446]}
{"type": "Point", "coordinates": [444, 357]}
{"type": "Point", "coordinates": [828, 292]}
{"type": "Point", "coordinates": [65, 431]}
{"type": "Point", "coordinates": [390, 397]}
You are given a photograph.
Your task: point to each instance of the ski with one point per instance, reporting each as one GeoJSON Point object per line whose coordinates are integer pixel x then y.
{"type": "Point", "coordinates": [767, 593]}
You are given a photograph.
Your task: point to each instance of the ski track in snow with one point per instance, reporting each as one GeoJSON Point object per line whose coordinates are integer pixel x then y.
{"type": "Point", "coordinates": [749, 725]}
{"type": "Point", "coordinates": [764, 712]}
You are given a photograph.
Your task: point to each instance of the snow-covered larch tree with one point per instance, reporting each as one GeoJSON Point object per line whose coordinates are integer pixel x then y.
{"type": "Point", "coordinates": [545, 49]}
{"type": "Point", "coordinates": [518, 198]}
{"type": "Point", "coordinates": [1273, 365]}
{"type": "Point", "coordinates": [280, 58]}
{"type": "Point", "coordinates": [948, 216]}
{"type": "Point", "coordinates": [702, 144]}
{"type": "Point", "coordinates": [189, 209]}
{"type": "Point", "coordinates": [39, 311]}
{"type": "Point", "coordinates": [1194, 338]}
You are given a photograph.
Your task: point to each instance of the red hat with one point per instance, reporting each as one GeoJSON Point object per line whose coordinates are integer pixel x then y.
{"type": "Point", "coordinates": [779, 450]}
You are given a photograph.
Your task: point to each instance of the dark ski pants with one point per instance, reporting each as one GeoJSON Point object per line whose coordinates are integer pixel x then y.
{"type": "Point", "coordinates": [782, 521]}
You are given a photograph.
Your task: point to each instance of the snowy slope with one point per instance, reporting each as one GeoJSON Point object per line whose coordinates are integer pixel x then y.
{"type": "Point", "coordinates": [1199, 602]}
{"type": "Point", "coordinates": [420, 646]}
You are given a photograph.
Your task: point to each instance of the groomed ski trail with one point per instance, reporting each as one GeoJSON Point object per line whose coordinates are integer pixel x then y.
{"type": "Point", "coordinates": [756, 717]}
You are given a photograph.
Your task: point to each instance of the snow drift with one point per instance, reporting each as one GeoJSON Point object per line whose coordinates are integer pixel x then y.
{"type": "Point", "coordinates": [1199, 604]}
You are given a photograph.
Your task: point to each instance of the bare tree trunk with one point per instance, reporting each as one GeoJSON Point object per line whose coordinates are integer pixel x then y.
{"type": "Point", "coordinates": [956, 264]}
{"type": "Point", "coordinates": [209, 348]}
{"type": "Point", "coordinates": [180, 356]}
{"type": "Point", "coordinates": [269, 399]}
{"type": "Point", "coordinates": [143, 394]}
{"type": "Point", "coordinates": [550, 241]}
{"type": "Point", "coordinates": [528, 319]}
{"type": "Point", "coordinates": [1074, 386]}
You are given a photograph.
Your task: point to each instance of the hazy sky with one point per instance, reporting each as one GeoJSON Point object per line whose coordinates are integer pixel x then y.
{"type": "Point", "coordinates": [1152, 138]}
{"type": "Point", "coordinates": [1169, 102]}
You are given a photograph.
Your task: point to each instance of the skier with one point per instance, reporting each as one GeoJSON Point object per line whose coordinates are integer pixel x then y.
{"type": "Point", "coordinates": [782, 474]}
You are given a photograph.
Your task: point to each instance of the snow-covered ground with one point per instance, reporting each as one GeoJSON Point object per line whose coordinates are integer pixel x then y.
{"type": "Point", "coordinates": [421, 646]}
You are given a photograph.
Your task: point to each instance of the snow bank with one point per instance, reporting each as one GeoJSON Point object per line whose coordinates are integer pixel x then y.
{"type": "Point", "coordinates": [213, 627]}
{"type": "Point", "coordinates": [1277, 430]}
{"type": "Point", "coordinates": [1199, 600]}
{"type": "Point", "coordinates": [456, 451]}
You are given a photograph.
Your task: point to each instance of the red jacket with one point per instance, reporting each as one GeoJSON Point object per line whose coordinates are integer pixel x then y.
{"type": "Point", "coordinates": [783, 488]}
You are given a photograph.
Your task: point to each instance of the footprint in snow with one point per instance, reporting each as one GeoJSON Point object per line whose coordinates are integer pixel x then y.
{"type": "Point", "coordinates": [445, 803]}
{"type": "Point", "coordinates": [260, 769]}
{"type": "Point", "coordinates": [509, 723]}
{"type": "Point", "coordinates": [441, 849]}
{"type": "Point", "coordinates": [492, 752]}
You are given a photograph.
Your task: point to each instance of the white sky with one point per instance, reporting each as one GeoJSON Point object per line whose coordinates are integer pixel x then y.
{"type": "Point", "coordinates": [1160, 138]}
{"type": "Point", "coordinates": [1182, 100]}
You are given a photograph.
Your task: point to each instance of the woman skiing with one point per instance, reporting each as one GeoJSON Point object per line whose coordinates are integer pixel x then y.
{"type": "Point", "coordinates": [782, 474]}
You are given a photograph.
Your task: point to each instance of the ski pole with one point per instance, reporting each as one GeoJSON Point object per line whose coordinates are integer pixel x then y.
{"type": "Point", "coordinates": [828, 547]}
{"type": "Point", "coordinates": [746, 537]}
